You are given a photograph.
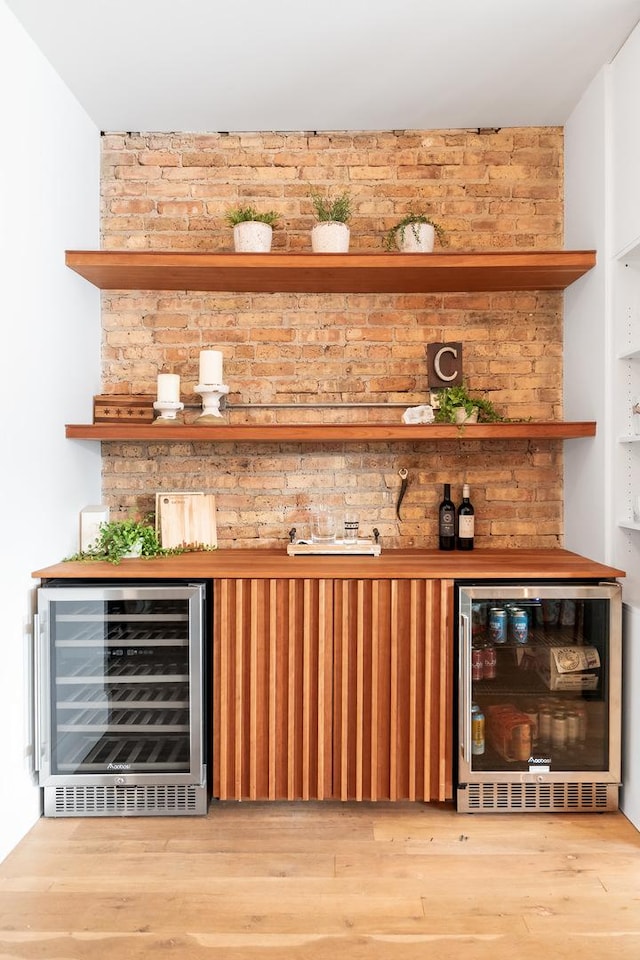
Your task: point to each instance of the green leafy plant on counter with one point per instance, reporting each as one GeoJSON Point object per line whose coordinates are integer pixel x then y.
{"type": "Point", "coordinates": [412, 221]}
{"type": "Point", "coordinates": [120, 539]}
{"type": "Point", "coordinates": [243, 214]}
{"type": "Point", "coordinates": [451, 399]}
{"type": "Point", "coordinates": [326, 209]}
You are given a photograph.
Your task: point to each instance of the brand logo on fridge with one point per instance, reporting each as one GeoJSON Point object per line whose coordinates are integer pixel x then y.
{"type": "Point", "coordinates": [118, 766]}
{"type": "Point", "coordinates": [544, 760]}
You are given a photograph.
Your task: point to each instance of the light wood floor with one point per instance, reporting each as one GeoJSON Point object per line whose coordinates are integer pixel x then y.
{"type": "Point", "coordinates": [325, 882]}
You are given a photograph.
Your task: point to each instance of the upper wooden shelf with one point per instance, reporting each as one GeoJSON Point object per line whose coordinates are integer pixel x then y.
{"type": "Point", "coordinates": [318, 433]}
{"type": "Point", "coordinates": [331, 273]}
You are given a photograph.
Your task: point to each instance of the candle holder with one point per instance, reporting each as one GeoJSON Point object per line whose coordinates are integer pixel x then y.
{"type": "Point", "coordinates": [168, 410]}
{"type": "Point", "coordinates": [212, 394]}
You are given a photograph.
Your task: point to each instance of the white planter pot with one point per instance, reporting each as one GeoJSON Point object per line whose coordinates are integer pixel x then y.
{"type": "Point", "coordinates": [252, 236]}
{"type": "Point", "coordinates": [416, 238]}
{"type": "Point", "coordinates": [329, 236]}
{"type": "Point", "coordinates": [462, 416]}
{"type": "Point", "coordinates": [134, 551]}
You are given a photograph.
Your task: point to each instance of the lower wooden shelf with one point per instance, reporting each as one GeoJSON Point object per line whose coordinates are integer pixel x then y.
{"type": "Point", "coordinates": [330, 432]}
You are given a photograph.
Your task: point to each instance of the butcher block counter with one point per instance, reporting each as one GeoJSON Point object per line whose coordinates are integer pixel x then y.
{"type": "Point", "coordinates": [332, 677]}
{"type": "Point", "coordinates": [396, 564]}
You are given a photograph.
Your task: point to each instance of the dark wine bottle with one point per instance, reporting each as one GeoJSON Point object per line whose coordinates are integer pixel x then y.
{"type": "Point", "coordinates": [447, 521]}
{"type": "Point", "coordinates": [466, 521]}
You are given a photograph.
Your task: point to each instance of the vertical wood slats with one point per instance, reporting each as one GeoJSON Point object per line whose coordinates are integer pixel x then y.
{"type": "Point", "coordinates": [330, 689]}
{"type": "Point", "coordinates": [272, 641]}
{"type": "Point", "coordinates": [388, 712]}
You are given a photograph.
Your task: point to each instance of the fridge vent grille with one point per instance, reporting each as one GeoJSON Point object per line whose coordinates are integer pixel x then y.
{"type": "Point", "coordinates": [537, 796]}
{"type": "Point", "coordinates": [160, 800]}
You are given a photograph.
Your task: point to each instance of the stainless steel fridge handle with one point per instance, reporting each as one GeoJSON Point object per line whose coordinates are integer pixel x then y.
{"type": "Point", "coordinates": [37, 680]}
{"type": "Point", "coordinates": [464, 721]}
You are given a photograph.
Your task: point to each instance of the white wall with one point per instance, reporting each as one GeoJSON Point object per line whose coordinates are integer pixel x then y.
{"type": "Point", "coordinates": [49, 371]}
{"type": "Point", "coordinates": [586, 385]}
{"type": "Point", "coordinates": [598, 208]}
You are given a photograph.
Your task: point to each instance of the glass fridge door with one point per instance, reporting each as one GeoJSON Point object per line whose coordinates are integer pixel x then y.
{"type": "Point", "coordinates": [123, 693]}
{"type": "Point", "coordinates": [539, 684]}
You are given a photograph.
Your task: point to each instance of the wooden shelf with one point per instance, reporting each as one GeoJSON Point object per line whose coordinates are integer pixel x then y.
{"type": "Point", "coordinates": [331, 273]}
{"type": "Point", "coordinates": [322, 433]}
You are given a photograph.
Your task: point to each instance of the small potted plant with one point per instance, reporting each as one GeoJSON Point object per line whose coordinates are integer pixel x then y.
{"type": "Point", "coordinates": [415, 233]}
{"type": "Point", "coordinates": [331, 233]}
{"type": "Point", "coordinates": [456, 405]}
{"type": "Point", "coordinates": [252, 230]}
{"type": "Point", "coordinates": [126, 539]}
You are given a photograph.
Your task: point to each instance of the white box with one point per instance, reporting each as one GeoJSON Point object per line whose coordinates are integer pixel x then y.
{"type": "Point", "coordinates": [569, 668]}
{"type": "Point", "coordinates": [90, 520]}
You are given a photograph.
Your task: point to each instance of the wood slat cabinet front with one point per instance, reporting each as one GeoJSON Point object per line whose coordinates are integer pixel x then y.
{"type": "Point", "coordinates": [331, 689]}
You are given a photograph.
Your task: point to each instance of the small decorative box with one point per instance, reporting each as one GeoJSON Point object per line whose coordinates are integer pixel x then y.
{"type": "Point", "coordinates": [114, 408]}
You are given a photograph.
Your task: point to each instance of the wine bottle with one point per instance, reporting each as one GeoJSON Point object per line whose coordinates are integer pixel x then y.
{"type": "Point", "coordinates": [447, 521]}
{"type": "Point", "coordinates": [466, 518]}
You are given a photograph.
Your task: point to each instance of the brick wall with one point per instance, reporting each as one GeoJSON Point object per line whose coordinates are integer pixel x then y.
{"type": "Point", "coordinates": [489, 191]}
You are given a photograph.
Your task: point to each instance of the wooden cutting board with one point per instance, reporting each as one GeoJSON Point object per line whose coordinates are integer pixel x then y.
{"type": "Point", "coordinates": [186, 519]}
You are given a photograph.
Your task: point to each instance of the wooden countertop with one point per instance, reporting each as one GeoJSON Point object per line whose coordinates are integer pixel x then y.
{"type": "Point", "coordinates": [484, 564]}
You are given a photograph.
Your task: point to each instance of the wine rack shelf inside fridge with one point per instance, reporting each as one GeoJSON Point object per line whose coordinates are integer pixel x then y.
{"type": "Point", "coordinates": [119, 699]}
{"type": "Point", "coordinates": [539, 697]}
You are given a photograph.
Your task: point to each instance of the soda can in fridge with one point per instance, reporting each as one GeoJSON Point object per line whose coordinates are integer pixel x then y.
{"type": "Point", "coordinates": [498, 625]}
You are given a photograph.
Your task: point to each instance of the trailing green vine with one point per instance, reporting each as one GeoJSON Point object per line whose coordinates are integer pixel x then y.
{"type": "Point", "coordinates": [119, 538]}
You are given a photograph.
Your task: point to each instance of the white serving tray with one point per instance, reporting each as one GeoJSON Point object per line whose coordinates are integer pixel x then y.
{"type": "Point", "coordinates": [337, 549]}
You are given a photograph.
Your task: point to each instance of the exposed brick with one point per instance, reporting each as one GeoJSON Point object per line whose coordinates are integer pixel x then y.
{"type": "Point", "coordinates": [490, 191]}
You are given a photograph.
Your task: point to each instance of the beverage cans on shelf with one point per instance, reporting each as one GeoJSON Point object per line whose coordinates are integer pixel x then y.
{"type": "Point", "coordinates": [545, 716]}
{"type": "Point", "coordinates": [478, 619]}
{"type": "Point", "coordinates": [498, 625]}
{"type": "Point", "coordinates": [477, 731]}
{"type": "Point", "coordinates": [573, 726]}
{"type": "Point", "coordinates": [477, 663]}
{"type": "Point", "coordinates": [531, 712]}
{"type": "Point", "coordinates": [550, 612]}
{"type": "Point", "coordinates": [518, 625]}
{"type": "Point", "coordinates": [580, 708]}
{"type": "Point", "coordinates": [559, 729]}
{"type": "Point", "coordinates": [489, 662]}
{"type": "Point", "coordinates": [567, 613]}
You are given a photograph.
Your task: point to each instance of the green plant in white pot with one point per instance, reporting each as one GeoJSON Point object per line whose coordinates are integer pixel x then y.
{"type": "Point", "coordinates": [415, 233]}
{"type": "Point", "coordinates": [128, 539]}
{"type": "Point", "coordinates": [331, 233]}
{"type": "Point", "coordinates": [252, 230]}
{"type": "Point", "coordinates": [456, 405]}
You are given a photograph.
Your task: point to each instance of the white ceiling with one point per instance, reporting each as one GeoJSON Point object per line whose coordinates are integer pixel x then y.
{"type": "Point", "coordinates": [240, 65]}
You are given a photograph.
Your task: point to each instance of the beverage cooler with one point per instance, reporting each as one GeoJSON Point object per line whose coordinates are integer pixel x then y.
{"type": "Point", "coordinates": [539, 697]}
{"type": "Point", "coordinates": [119, 699]}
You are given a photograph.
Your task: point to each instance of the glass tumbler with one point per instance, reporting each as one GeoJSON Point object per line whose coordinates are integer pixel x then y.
{"type": "Point", "coordinates": [323, 525]}
{"type": "Point", "coordinates": [351, 525]}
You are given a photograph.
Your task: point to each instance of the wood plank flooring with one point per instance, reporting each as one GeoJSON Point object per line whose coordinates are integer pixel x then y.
{"type": "Point", "coordinates": [323, 881]}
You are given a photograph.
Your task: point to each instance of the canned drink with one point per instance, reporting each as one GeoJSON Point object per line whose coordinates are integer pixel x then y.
{"type": "Point", "coordinates": [550, 612]}
{"type": "Point", "coordinates": [477, 663]}
{"type": "Point", "coordinates": [477, 732]}
{"type": "Point", "coordinates": [498, 625]}
{"type": "Point", "coordinates": [489, 663]}
{"type": "Point", "coordinates": [545, 717]}
{"type": "Point", "coordinates": [532, 715]}
{"type": "Point", "coordinates": [559, 729]}
{"type": "Point", "coordinates": [567, 613]}
{"type": "Point", "coordinates": [573, 726]}
{"type": "Point", "coordinates": [478, 619]}
{"type": "Point", "coordinates": [518, 625]}
{"type": "Point", "coordinates": [581, 709]}
{"type": "Point", "coordinates": [522, 741]}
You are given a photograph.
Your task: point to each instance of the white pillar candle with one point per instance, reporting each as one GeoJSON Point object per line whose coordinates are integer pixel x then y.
{"type": "Point", "coordinates": [169, 387]}
{"type": "Point", "coordinates": [210, 367]}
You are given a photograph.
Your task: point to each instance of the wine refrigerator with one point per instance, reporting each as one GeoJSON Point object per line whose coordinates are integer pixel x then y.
{"type": "Point", "coordinates": [538, 697]}
{"type": "Point", "coordinates": [119, 699]}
